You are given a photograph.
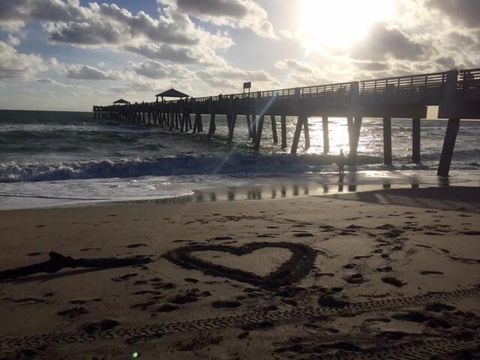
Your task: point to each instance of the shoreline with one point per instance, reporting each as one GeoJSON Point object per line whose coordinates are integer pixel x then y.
{"type": "Point", "coordinates": [234, 188]}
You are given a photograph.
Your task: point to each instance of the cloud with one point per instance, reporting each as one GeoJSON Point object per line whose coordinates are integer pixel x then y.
{"type": "Point", "coordinates": [86, 72]}
{"type": "Point", "coordinates": [171, 35]}
{"type": "Point", "coordinates": [61, 85]}
{"type": "Point", "coordinates": [446, 62]}
{"type": "Point", "coordinates": [371, 65]}
{"type": "Point", "coordinates": [302, 73]}
{"type": "Point", "coordinates": [17, 65]}
{"type": "Point", "coordinates": [292, 64]}
{"type": "Point", "coordinates": [110, 24]}
{"type": "Point", "coordinates": [156, 70]}
{"type": "Point", "coordinates": [177, 54]}
{"type": "Point", "coordinates": [466, 12]}
{"type": "Point", "coordinates": [231, 79]}
{"type": "Point", "coordinates": [245, 14]}
{"type": "Point", "coordinates": [381, 42]}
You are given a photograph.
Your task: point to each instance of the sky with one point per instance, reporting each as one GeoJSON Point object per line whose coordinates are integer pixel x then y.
{"type": "Point", "coordinates": [71, 54]}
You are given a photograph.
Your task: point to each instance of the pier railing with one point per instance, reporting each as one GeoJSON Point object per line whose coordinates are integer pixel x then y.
{"type": "Point", "coordinates": [469, 84]}
{"type": "Point", "coordinates": [426, 89]}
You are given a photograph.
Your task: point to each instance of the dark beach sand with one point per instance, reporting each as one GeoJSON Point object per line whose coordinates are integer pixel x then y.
{"type": "Point", "coordinates": [384, 274]}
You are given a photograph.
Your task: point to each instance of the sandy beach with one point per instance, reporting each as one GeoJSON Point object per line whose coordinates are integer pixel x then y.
{"type": "Point", "coordinates": [385, 274]}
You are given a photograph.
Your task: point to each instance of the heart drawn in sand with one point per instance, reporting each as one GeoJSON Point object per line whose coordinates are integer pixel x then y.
{"type": "Point", "coordinates": [292, 270]}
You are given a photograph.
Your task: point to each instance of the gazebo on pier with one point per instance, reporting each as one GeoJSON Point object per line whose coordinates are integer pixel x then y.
{"type": "Point", "coordinates": [172, 93]}
{"type": "Point", "coordinates": [121, 102]}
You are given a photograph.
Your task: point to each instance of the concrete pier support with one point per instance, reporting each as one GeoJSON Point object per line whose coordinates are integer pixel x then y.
{"type": "Point", "coordinates": [171, 120]}
{"type": "Point", "coordinates": [274, 130]}
{"type": "Point", "coordinates": [254, 127]}
{"type": "Point", "coordinates": [326, 138]}
{"type": "Point", "coordinates": [212, 127]}
{"type": "Point", "coordinates": [416, 140]}
{"type": "Point", "coordinates": [232, 119]}
{"type": "Point", "coordinates": [448, 146]}
{"type": "Point", "coordinates": [249, 126]}
{"type": "Point", "coordinates": [296, 135]}
{"type": "Point", "coordinates": [283, 125]}
{"type": "Point", "coordinates": [177, 120]}
{"type": "Point", "coordinates": [387, 141]}
{"type": "Point", "coordinates": [258, 134]}
{"type": "Point", "coordinates": [354, 127]}
{"type": "Point", "coordinates": [183, 123]}
{"type": "Point", "coordinates": [307, 133]}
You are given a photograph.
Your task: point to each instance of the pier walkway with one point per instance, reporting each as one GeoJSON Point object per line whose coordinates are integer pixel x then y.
{"type": "Point", "coordinates": [456, 93]}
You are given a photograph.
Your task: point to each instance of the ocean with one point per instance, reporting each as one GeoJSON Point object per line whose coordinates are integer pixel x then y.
{"type": "Point", "coordinates": [68, 158]}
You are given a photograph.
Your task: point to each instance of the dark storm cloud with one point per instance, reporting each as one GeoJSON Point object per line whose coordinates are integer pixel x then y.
{"type": "Point", "coordinates": [382, 41]}
{"type": "Point", "coordinates": [465, 11]}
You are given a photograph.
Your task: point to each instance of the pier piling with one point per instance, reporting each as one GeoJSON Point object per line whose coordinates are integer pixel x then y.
{"type": "Point", "coordinates": [326, 138]}
{"type": "Point", "coordinates": [448, 146]}
{"type": "Point", "coordinates": [416, 140]}
{"type": "Point", "coordinates": [387, 140]}
{"type": "Point", "coordinates": [283, 124]}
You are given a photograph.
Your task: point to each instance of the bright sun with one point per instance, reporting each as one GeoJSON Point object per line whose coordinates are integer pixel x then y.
{"type": "Point", "coordinates": [340, 23]}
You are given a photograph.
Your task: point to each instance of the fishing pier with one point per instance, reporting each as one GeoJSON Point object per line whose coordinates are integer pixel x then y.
{"type": "Point", "coordinates": [456, 93]}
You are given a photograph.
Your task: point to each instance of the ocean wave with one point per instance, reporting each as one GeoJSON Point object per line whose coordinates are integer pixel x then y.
{"type": "Point", "coordinates": [180, 165]}
{"type": "Point", "coordinates": [458, 155]}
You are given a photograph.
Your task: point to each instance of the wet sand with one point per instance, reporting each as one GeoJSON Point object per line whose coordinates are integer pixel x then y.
{"type": "Point", "coordinates": [385, 274]}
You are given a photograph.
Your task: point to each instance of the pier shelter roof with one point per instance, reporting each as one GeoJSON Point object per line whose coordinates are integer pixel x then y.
{"type": "Point", "coordinates": [171, 93]}
{"type": "Point", "coordinates": [121, 101]}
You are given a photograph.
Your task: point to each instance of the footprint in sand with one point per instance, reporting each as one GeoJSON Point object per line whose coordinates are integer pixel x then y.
{"type": "Point", "coordinates": [354, 279]}
{"type": "Point", "coordinates": [431, 272]}
{"type": "Point", "coordinates": [303, 234]}
{"type": "Point", "coordinates": [411, 316]}
{"type": "Point", "coordinates": [384, 269]}
{"type": "Point", "coordinates": [393, 281]}
{"type": "Point", "coordinates": [439, 307]}
{"type": "Point", "coordinates": [191, 280]}
{"type": "Point", "coordinates": [221, 238]}
{"type": "Point", "coordinates": [124, 277]}
{"type": "Point", "coordinates": [96, 327]}
{"type": "Point", "coordinates": [167, 308]}
{"type": "Point", "coordinates": [189, 297]}
{"type": "Point", "coordinates": [221, 304]}
{"type": "Point", "coordinates": [132, 246]}
{"type": "Point", "coordinates": [474, 233]}
{"type": "Point", "coordinates": [34, 254]}
{"type": "Point", "coordinates": [143, 306]}
{"type": "Point", "coordinates": [73, 313]}
{"type": "Point", "coordinates": [332, 301]}
{"type": "Point", "coordinates": [147, 292]}
{"type": "Point", "coordinates": [29, 300]}
{"type": "Point", "coordinates": [266, 235]}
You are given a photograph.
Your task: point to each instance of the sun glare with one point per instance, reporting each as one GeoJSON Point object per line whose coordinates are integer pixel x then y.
{"type": "Point", "coordinates": [341, 23]}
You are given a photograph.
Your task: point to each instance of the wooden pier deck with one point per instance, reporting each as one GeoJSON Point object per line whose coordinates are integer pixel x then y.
{"type": "Point", "coordinates": [456, 93]}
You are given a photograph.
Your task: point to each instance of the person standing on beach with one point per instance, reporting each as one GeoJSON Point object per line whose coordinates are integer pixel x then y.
{"type": "Point", "coordinates": [341, 163]}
